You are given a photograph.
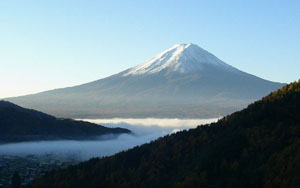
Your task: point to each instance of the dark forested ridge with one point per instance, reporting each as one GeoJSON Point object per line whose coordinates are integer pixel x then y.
{"type": "Point", "coordinates": [256, 147]}
{"type": "Point", "coordinates": [20, 124]}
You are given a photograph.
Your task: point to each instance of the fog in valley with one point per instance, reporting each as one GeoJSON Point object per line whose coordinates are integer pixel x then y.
{"type": "Point", "coordinates": [144, 130]}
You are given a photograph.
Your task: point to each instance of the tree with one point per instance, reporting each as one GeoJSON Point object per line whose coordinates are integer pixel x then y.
{"type": "Point", "coordinates": [16, 180]}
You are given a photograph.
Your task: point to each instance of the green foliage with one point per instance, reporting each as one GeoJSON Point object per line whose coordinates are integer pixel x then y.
{"type": "Point", "coordinates": [256, 147]}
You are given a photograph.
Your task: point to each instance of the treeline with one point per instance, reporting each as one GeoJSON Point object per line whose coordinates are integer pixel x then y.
{"type": "Point", "coordinates": [21, 124]}
{"type": "Point", "coordinates": [256, 147]}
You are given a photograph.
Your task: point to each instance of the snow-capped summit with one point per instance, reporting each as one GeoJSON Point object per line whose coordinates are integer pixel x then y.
{"type": "Point", "coordinates": [181, 58]}
{"type": "Point", "coordinates": [184, 81]}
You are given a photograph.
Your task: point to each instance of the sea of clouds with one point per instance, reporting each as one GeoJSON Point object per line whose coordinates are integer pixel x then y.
{"type": "Point", "coordinates": [144, 130]}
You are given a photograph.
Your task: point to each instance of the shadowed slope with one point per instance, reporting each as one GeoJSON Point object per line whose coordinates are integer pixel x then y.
{"type": "Point", "coordinates": [20, 124]}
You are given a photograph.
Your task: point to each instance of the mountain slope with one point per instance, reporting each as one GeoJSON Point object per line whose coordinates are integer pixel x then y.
{"type": "Point", "coordinates": [20, 124]}
{"type": "Point", "coordinates": [256, 147]}
{"type": "Point", "coordinates": [184, 81]}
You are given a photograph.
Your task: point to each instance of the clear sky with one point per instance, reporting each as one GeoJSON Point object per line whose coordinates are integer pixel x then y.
{"type": "Point", "coordinates": [58, 43]}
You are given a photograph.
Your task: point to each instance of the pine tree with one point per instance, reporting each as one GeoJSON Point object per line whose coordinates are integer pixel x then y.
{"type": "Point", "coordinates": [16, 180]}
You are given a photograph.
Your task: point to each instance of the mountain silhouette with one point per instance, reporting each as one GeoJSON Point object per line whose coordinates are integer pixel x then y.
{"type": "Point", "coordinates": [184, 81]}
{"type": "Point", "coordinates": [20, 124]}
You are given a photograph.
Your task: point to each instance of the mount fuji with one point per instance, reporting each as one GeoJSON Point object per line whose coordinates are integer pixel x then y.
{"type": "Point", "coordinates": [184, 81]}
{"type": "Point", "coordinates": [181, 58]}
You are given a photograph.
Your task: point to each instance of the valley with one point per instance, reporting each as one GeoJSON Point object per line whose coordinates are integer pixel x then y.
{"type": "Point", "coordinates": [30, 167]}
{"type": "Point", "coordinates": [34, 159]}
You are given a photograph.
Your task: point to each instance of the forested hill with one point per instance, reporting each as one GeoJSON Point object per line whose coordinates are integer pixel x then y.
{"type": "Point", "coordinates": [21, 124]}
{"type": "Point", "coordinates": [256, 147]}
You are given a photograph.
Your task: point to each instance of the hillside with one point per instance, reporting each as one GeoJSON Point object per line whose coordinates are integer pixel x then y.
{"type": "Point", "coordinates": [184, 81]}
{"type": "Point", "coordinates": [256, 147]}
{"type": "Point", "coordinates": [20, 124]}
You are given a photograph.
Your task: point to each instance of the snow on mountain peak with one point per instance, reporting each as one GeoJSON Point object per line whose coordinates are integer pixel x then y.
{"type": "Point", "coordinates": [181, 58]}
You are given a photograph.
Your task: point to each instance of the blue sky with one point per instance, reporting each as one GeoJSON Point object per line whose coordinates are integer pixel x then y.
{"type": "Point", "coordinates": [59, 43]}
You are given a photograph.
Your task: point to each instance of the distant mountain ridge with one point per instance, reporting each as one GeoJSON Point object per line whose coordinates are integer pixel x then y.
{"type": "Point", "coordinates": [184, 81]}
{"type": "Point", "coordinates": [20, 124]}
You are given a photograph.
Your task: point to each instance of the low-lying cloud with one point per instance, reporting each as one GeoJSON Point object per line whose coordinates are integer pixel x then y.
{"type": "Point", "coordinates": [144, 131]}
{"type": "Point", "coordinates": [188, 123]}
